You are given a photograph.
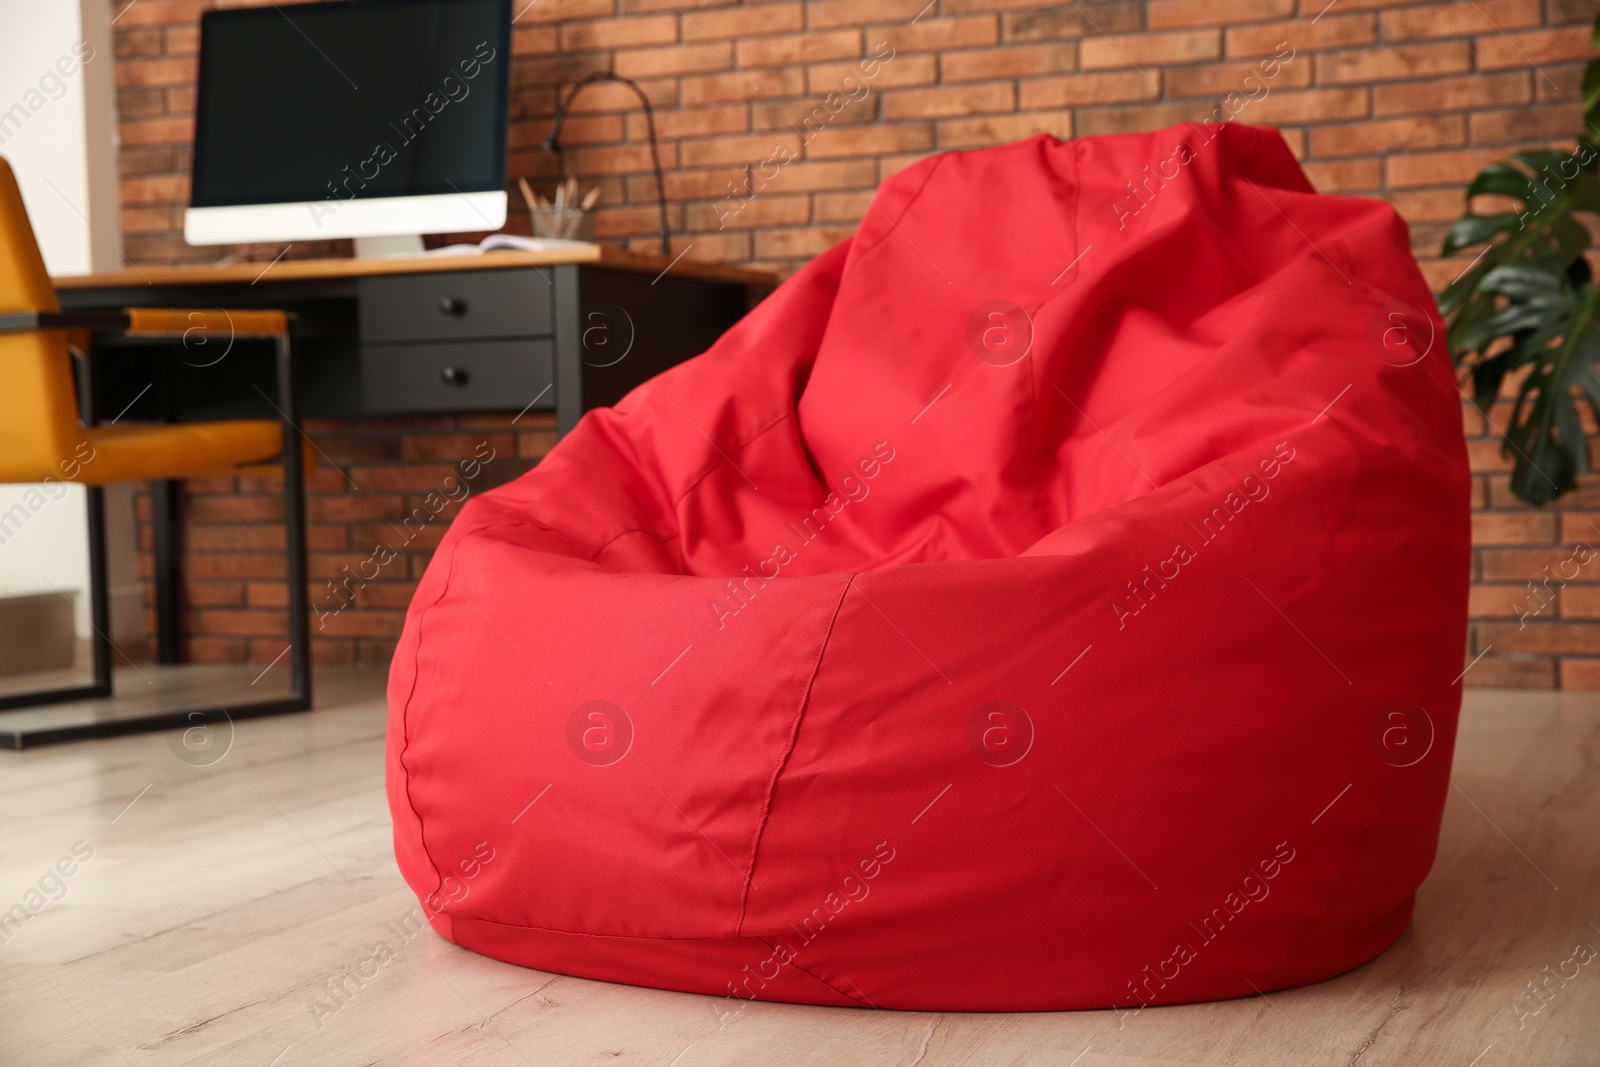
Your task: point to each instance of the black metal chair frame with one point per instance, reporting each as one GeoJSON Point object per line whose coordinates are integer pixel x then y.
{"type": "Point", "coordinates": [166, 525]}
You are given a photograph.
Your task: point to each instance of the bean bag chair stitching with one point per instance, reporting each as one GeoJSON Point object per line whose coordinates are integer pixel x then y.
{"type": "Point", "coordinates": [721, 457]}
{"type": "Point", "coordinates": [660, 538]}
{"type": "Point", "coordinates": [448, 586]}
{"type": "Point", "coordinates": [783, 759]}
{"type": "Point", "coordinates": [602, 937]}
{"type": "Point", "coordinates": [405, 722]}
{"type": "Point", "coordinates": [932, 167]}
{"type": "Point", "coordinates": [812, 974]}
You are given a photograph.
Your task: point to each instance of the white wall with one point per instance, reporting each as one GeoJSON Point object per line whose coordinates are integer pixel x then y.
{"type": "Point", "coordinates": [58, 133]}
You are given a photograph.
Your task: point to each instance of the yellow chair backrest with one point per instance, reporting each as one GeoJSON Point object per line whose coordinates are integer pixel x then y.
{"type": "Point", "coordinates": [39, 427]}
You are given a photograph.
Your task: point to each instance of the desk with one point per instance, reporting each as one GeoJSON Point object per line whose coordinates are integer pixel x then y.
{"type": "Point", "coordinates": [563, 330]}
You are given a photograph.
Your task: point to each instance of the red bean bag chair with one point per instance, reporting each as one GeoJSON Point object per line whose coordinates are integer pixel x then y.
{"type": "Point", "coordinates": [1051, 597]}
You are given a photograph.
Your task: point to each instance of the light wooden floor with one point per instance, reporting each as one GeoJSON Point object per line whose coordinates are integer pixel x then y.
{"type": "Point", "coordinates": [222, 895]}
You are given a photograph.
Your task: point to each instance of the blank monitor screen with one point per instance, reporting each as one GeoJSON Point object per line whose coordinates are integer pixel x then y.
{"type": "Point", "coordinates": [352, 99]}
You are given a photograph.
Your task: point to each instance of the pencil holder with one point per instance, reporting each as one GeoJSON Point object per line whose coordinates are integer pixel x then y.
{"type": "Point", "coordinates": [566, 222]}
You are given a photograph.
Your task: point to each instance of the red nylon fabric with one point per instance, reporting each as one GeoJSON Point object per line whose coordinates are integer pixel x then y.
{"type": "Point", "coordinates": [1104, 652]}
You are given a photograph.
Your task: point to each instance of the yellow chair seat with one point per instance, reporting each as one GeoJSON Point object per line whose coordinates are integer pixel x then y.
{"type": "Point", "coordinates": [180, 450]}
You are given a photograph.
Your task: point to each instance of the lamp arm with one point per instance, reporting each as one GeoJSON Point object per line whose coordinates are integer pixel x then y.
{"type": "Point", "coordinates": [552, 143]}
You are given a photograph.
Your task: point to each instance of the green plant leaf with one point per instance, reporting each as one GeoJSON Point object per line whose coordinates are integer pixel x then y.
{"type": "Point", "coordinates": [1522, 281]}
{"type": "Point", "coordinates": [1501, 179]}
{"type": "Point", "coordinates": [1545, 439]}
{"type": "Point", "coordinates": [1476, 229]}
{"type": "Point", "coordinates": [1591, 95]}
{"type": "Point", "coordinates": [1527, 305]}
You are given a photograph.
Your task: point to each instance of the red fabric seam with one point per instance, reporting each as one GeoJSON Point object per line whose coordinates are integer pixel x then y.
{"type": "Point", "coordinates": [783, 761]}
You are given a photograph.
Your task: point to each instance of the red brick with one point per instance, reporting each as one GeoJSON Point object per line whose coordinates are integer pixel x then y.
{"type": "Point", "coordinates": [208, 594]}
{"type": "Point", "coordinates": [1525, 564]}
{"type": "Point", "coordinates": [763, 209]}
{"type": "Point", "coordinates": [838, 207]}
{"type": "Point", "coordinates": [620, 33]}
{"type": "Point", "coordinates": [1519, 672]}
{"type": "Point", "coordinates": [752, 148]}
{"type": "Point", "coordinates": [1579, 527]}
{"type": "Point", "coordinates": [843, 76]}
{"type": "Point", "coordinates": [1521, 125]}
{"type": "Point", "coordinates": [933, 34]}
{"type": "Point", "coordinates": [799, 242]}
{"type": "Point", "coordinates": [829, 14]}
{"type": "Point", "coordinates": [949, 100]}
{"type": "Point", "coordinates": [1082, 90]}
{"type": "Point", "coordinates": [1178, 14]}
{"type": "Point", "coordinates": [742, 21]}
{"type": "Point", "coordinates": [138, 43]}
{"type": "Point", "coordinates": [241, 622]}
{"type": "Point", "coordinates": [1577, 600]}
{"type": "Point", "coordinates": [156, 12]}
{"type": "Point", "coordinates": [1542, 636]}
{"type": "Point", "coordinates": [613, 96]}
{"type": "Point", "coordinates": [143, 73]}
{"type": "Point", "coordinates": [1345, 175]}
{"type": "Point", "coordinates": [531, 12]}
{"type": "Point", "coordinates": [1451, 94]}
{"type": "Point", "coordinates": [1065, 22]}
{"type": "Point", "coordinates": [1435, 205]}
{"type": "Point", "coordinates": [798, 48]}
{"type": "Point", "coordinates": [1513, 528]}
{"type": "Point", "coordinates": [1094, 122]}
{"type": "Point", "coordinates": [976, 64]}
{"type": "Point", "coordinates": [870, 140]}
{"type": "Point", "coordinates": [1309, 105]}
{"type": "Point", "coordinates": [1504, 601]}
{"type": "Point", "coordinates": [999, 129]}
{"type": "Point", "coordinates": [1298, 37]}
{"type": "Point", "coordinates": [619, 159]}
{"type": "Point", "coordinates": [1580, 674]}
{"type": "Point", "coordinates": [686, 58]}
{"type": "Point", "coordinates": [1458, 19]}
{"type": "Point", "coordinates": [693, 122]}
{"type": "Point", "coordinates": [532, 40]}
{"type": "Point", "coordinates": [1517, 50]}
{"type": "Point", "coordinates": [751, 85]}
{"type": "Point", "coordinates": [1437, 168]}
{"type": "Point", "coordinates": [535, 444]}
{"type": "Point", "coordinates": [203, 565]}
{"type": "Point", "coordinates": [630, 7]}
{"type": "Point", "coordinates": [1148, 49]}
{"type": "Point", "coordinates": [155, 189]}
{"type": "Point", "coordinates": [362, 622]}
{"type": "Point", "coordinates": [1368, 138]}
{"type": "Point", "coordinates": [1389, 64]}
{"type": "Point", "coordinates": [1237, 76]}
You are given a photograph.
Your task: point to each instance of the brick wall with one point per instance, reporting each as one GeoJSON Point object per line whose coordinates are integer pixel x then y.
{"type": "Point", "coordinates": [1400, 100]}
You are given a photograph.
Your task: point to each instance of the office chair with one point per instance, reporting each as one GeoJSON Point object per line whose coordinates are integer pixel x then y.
{"type": "Point", "coordinates": [43, 437]}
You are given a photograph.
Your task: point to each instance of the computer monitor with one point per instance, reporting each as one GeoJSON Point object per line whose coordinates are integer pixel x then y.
{"type": "Point", "coordinates": [353, 118]}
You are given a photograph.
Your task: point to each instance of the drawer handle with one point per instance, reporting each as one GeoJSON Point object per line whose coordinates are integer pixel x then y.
{"type": "Point", "coordinates": [453, 305]}
{"type": "Point", "coordinates": [454, 376]}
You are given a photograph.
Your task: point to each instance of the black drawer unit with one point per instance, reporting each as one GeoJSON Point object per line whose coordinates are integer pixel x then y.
{"type": "Point", "coordinates": [458, 376]}
{"type": "Point", "coordinates": [456, 305]}
{"type": "Point", "coordinates": [457, 341]}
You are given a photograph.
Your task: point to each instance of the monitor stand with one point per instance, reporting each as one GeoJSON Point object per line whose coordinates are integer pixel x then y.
{"type": "Point", "coordinates": [379, 247]}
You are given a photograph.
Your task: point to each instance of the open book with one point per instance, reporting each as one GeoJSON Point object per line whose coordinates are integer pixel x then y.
{"type": "Point", "coordinates": [497, 241]}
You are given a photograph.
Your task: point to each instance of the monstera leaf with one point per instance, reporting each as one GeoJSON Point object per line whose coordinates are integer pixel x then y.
{"type": "Point", "coordinates": [1526, 306]}
{"type": "Point", "coordinates": [1553, 335]}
